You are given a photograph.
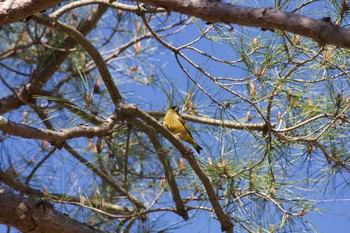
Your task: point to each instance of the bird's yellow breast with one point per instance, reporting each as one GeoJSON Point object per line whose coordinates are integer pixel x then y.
{"type": "Point", "coordinates": [172, 122]}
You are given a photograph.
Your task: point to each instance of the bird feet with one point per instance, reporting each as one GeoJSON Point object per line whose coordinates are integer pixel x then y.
{"type": "Point", "coordinates": [187, 153]}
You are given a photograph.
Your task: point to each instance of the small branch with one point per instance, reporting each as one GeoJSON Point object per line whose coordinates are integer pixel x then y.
{"type": "Point", "coordinates": [177, 53]}
{"type": "Point", "coordinates": [214, 122]}
{"type": "Point", "coordinates": [107, 208]}
{"type": "Point", "coordinates": [170, 177]}
{"type": "Point", "coordinates": [90, 49]}
{"type": "Point", "coordinates": [105, 178]}
{"type": "Point", "coordinates": [115, 5]}
{"type": "Point", "coordinates": [56, 138]}
{"type": "Point", "coordinates": [275, 202]}
{"type": "Point", "coordinates": [126, 157]}
{"type": "Point", "coordinates": [95, 209]}
{"type": "Point", "coordinates": [226, 224]}
{"type": "Point", "coordinates": [59, 100]}
{"type": "Point", "coordinates": [29, 177]}
{"type": "Point", "coordinates": [305, 122]}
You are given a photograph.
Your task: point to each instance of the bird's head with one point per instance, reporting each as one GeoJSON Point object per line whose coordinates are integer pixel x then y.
{"type": "Point", "coordinates": [175, 108]}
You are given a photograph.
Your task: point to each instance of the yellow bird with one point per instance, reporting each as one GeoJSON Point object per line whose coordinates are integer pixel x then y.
{"type": "Point", "coordinates": [175, 124]}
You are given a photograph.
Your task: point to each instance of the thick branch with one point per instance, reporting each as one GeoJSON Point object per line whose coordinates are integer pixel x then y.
{"type": "Point", "coordinates": [36, 216]}
{"type": "Point", "coordinates": [19, 186]}
{"type": "Point", "coordinates": [110, 208]}
{"type": "Point", "coordinates": [214, 11]}
{"type": "Point", "coordinates": [16, 10]}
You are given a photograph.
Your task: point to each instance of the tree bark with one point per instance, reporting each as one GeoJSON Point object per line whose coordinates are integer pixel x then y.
{"type": "Point", "coordinates": [31, 215]}
{"type": "Point", "coordinates": [320, 30]}
{"type": "Point", "coordinates": [16, 10]}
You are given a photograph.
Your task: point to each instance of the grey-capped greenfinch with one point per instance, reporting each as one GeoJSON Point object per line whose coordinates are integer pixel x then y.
{"type": "Point", "coordinates": [175, 124]}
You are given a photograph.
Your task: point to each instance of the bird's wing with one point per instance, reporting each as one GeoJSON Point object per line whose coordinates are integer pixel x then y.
{"type": "Point", "coordinates": [184, 124]}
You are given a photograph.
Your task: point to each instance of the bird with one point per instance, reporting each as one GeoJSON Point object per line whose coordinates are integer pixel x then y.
{"type": "Point", "coordinates": [175, 124]}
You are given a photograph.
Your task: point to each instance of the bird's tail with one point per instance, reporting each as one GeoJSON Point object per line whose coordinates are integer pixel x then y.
{"type": "Point", "coordinates": [198, 148]}
{"type": "Point", "coordinates": [191, 141]}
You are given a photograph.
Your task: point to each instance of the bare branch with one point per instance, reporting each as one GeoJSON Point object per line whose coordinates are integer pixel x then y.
{"type": "Point", "coordinates": [116, 5]}
{"type": "Point", "coordinates": [215, 122]}
{"type": "Point", "coordinates": [16, 10]}
{"type": "Point", "coordinates": [323, 32]}
{"type": "Point", "coordinates": [36, 216]}
{"type": "Point", "coordinates": [56, 138]}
